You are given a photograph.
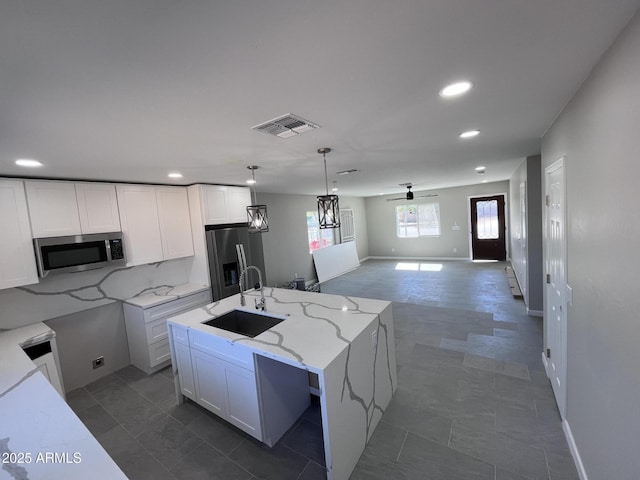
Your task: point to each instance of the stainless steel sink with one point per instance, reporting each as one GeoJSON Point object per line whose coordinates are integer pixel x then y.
{"type": "Point", "coordinates": [245, 323]}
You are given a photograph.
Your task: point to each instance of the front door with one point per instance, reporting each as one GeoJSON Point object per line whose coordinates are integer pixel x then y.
{"type": "Point", "coordinates": [555, 313]}
{"type": "Point", "coordinates": [488, 234]}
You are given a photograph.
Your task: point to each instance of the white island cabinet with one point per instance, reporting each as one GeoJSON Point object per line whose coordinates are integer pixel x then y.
{"type": "Point", "coordinates": [225, 381]}
{"type": "Point", "coordinates": [261, 384]}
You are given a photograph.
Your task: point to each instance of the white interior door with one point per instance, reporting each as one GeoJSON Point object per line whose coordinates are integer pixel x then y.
{"type": "Point", "coordinates": [556, 267]}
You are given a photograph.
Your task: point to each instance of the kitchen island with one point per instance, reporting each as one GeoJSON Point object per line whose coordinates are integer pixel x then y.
{"type": "Point", "coordinates": [346, 343]}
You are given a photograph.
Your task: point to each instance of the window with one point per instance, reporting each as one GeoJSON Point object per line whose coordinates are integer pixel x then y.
{"type": "Point", "coordinates": [347, 225]}
{"type": "Point", "coordinates": [418, 220]}
{"type": "Point", "coordinates": [317, 238]}
{"type": "Point", "coordinates": [487, 219]}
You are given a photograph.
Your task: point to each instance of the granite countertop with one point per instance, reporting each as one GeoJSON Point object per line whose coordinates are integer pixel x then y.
{"type": "Point", "coordinates": [36, 424]}
{"type": "Point", "coordinates": [317, 328]}
{"type": "Point", "coordinates": [166, 294]}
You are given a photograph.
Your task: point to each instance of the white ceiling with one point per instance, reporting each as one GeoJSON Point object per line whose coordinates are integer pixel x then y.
{"type": "Point", "coordinates": [129, 90]}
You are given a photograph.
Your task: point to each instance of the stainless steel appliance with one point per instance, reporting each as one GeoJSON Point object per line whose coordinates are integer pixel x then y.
{"type": "Point", "coordinates": [76, 253]}
{"type": "Point", "coordinates": [224, 267]}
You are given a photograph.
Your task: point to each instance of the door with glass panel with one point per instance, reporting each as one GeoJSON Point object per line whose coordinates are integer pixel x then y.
{"type": "Point", "coordinates": [488, 234]}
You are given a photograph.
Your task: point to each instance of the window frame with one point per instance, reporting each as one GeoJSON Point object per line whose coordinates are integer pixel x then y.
{"type": "Point", "coordinates": [405, 225]}
{"type": "Point", "coordinates": [324, 236]}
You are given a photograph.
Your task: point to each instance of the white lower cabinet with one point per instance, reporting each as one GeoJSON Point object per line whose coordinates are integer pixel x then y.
{"type": "Point", "coordinates": [147, 329]}
{"type": "Point", "coordinates": [228, 391]}
{"type": "Point", "coordinates": [261, 396]}
{"type": "Point", "coordinates": [185, 370]}
{"type": "Point", "coordinates": [47, 365]}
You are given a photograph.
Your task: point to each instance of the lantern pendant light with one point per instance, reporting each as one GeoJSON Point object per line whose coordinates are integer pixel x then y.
{"type": "Point", "coordinates": [256, 214]}
{"type": "Point", "coordinates": [328, 208]}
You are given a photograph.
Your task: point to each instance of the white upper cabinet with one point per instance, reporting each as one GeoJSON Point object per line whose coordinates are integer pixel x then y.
{"type": "Point", "coordinates": [97, 207]}
{"type": "Point", "coordinates": [175, 223]}
{"type": "Point", "coordinates": [214, 204]}
{"type": "Point", "coordinates": [140, 224]}
{"type": "Point", "coordinates": [57, 209]}
{"type": "Point", "coordinates": [155, 223]}
{"type": "Point", "coordinates": [222, 204]}
{"type": "Point", "coordinates": [238, 198]}
{"type": "Point", "coordinates": [17, 260]}
{"type": "Point", "coordinates": [53, 208]}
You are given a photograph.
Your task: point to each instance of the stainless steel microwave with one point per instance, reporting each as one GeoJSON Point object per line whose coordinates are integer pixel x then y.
{"type": "Point", "coordinates": [77, 253]}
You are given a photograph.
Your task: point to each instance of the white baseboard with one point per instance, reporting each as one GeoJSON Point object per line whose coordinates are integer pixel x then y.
{"type": "Point", "coordinates": [364, 259]}
{"type": "Point", "coordinates": [417, 258]}
{"type": "Point", "coordinates": [535, 313]}
{"type": "Point", "coordinates": [582, 473]}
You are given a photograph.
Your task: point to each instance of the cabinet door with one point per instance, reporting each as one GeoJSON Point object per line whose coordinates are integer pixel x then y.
{"type": "Point", "coordinates": [17, 260]}
{"type": "Point", "coordinates": [214, 204]}
{"type": "Point", "coordinates": [97, 207]}
{"type": "Point", "coordinates": [53, 209]}
{"type": "Point", "coordinates": [47, 365]}
{"type": "Point", "coordinates": [243, 409]}
{"type": "Point", "coordinates": [185, 372]}
{"type": "Point", "coordinates": [210, 383]}
{"type": "Point", "coordinates": [175, 223]}
{"type": "Point", "coordinates": [237, 200]}
{"type": "Point", "coordinates": [140, 225]}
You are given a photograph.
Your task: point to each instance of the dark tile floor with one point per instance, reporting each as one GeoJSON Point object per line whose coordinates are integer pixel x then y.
{"type": "Point", "coordinates": [473, 400]}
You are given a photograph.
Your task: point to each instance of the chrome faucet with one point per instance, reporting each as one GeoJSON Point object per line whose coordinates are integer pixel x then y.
{"type": "Point", "coordinates": [259, 306]}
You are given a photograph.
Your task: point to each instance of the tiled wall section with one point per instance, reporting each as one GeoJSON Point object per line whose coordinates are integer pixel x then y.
{"type": "Point", "coordinates": [66, 293]}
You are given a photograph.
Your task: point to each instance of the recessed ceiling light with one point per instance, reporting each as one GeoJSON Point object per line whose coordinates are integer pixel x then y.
{"type": "Point", "coordinates": [455, 89]}
{"type": "Point", "coordinates": [251, 182]}
{"type": "Point", "coordinates": [484, 181]}
{"type": "Point", "coordinates": [480, 168]}
{"type": "Point", "coordinates": [175, 175]}
{"type": "Point", "coordinates": [26, 162]}
{"type": "Point", "coordinates": [470, 134]}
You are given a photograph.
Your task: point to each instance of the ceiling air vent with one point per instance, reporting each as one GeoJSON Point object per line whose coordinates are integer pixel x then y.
{"type": "Point", "coordinates": [286, 126]}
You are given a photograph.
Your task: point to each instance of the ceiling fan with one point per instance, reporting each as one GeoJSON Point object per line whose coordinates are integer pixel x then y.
{"type": "Point", "coordinates": [409, 195]}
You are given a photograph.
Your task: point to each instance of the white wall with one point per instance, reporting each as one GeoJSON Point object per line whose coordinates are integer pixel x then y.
{"type": "Point", "coordinates": [286, 244]}
{"type": "Point", "coordinates": [598, 133]}
{"type": "Point", "coordinates": [84, 336]}
{"type": "Point", "coordinates": [526, 230]}
{"type": "Point", "coordinates": [454, 209]}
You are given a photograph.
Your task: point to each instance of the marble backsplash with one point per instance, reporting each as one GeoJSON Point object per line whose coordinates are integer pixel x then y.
{"type": "Point", "coordinates": [66, 293]}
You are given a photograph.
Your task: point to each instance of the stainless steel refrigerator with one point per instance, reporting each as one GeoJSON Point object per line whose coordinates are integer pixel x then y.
{"type": "Point", "coordinates": [223, 260]}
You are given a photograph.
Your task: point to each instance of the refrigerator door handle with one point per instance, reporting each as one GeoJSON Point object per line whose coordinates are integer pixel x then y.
{"type": "Point", "coordinates": [242, 262]}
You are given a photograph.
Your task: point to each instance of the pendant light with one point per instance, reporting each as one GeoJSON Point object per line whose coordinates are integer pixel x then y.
{"type": "Point", "coordinates": [256, 214]}
{"type": "Point", "coordinates": [328, 208]}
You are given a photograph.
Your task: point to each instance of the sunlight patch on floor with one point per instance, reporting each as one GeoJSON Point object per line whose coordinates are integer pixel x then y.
{"type": "Point", "coordinates": [422, 267]}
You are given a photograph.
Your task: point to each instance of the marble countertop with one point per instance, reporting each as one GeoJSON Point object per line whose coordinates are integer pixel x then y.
{"type": "Point", "coordinates": [162, 295]}
{"type": "Point", "coordinates": [35, 420]}
{"type": "Point", "coordinates": [317, 328]}
{"type": "Point", "coordinates": [14, 363]}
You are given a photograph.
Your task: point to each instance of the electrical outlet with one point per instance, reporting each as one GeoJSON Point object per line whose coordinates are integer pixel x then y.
{"type": "Point", "coordinates": [374, 338]}
{"type": "Point", "coordinates": [98, 362]}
